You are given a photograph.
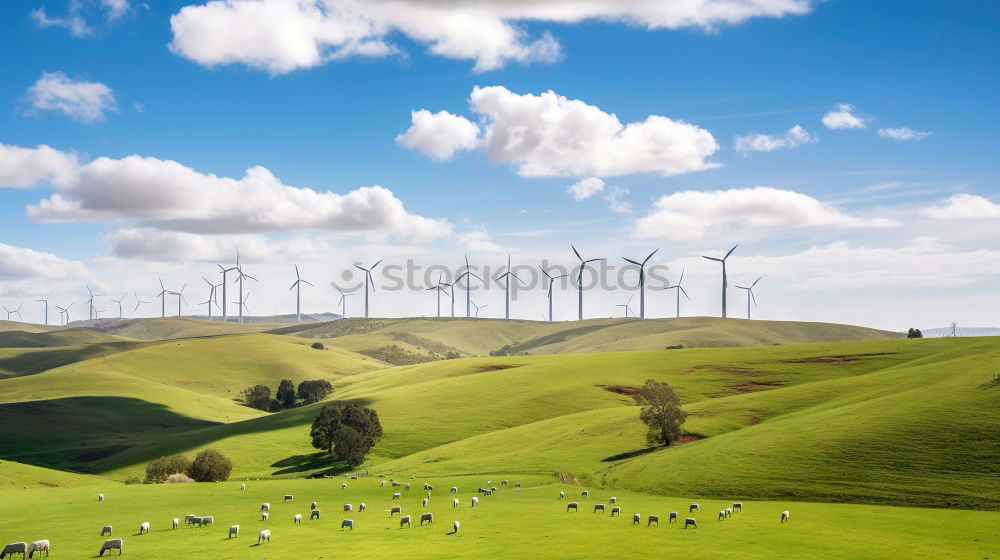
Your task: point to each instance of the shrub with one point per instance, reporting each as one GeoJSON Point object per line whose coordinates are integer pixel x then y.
{"type": "Point", "coordinates": [914, 333]}
{"type": "Point", "coordinates": [318, 346]}
{"type": "Point", "coordinates": [286, 393]}
{"type": "Point", "coordinates": [661, 412]}
{"type": "Point", "coordinates": [158, 470]}
{"type": "Point", "coordinates": [179, 478]}
{"type": "Point", "coordinates": [349, 432]}
{"type": "Point", "coordinates": [133, 480]}
{"type": "Point", "coordinates": [452, 355]}
{"type": "Point", "coordinates": [210, 466]}
{"type": "Point", "coordinates": [314, 391]}
{"type": "Point", "coordinates": [258, 396]}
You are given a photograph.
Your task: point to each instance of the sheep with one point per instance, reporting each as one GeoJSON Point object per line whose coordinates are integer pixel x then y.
{"type": "Point", "coordinates": [404, 519]}
{"type": "Point", "coordinates": [455, 527]}
{"type": "Point", "coordinates": [394, 484]}
{"type": "Point", "coordinates": [264, 515]}
{"type": "Point", "coordinates": [243, 486]}
{"type": "Point", "coordinates": [396, 495]}
{"type": "Point", "coordinates": [693, 507]}
{"type": "Point", "coordinates": [616, 510]}
{"type": "Point", "coordinates": [234, 531]}
{"type": "Point", "coordinates": [424, 503]}
{"type": "Point", "coordinates": [297, 518]}
{"type": "Point", "coordinates": [428, 517]}
{"type": "Point", "coordinates": [738, 506]}
{"type": "Point", "coordinates": [573, 505]}
{"type": "Point", "coordinates": [454, 489]}
{"type": "Point", "coordinates": [690, 522]}
{"type": "Point", "coordinates": [636, 518]}
{"type": "Point", "coordinates": [343, 486]}
{"type": "Point", "coordinates": [407, 486]}
{"type": "Point", "coordinates": [653, 519]}
{"type": "Point", "coordinates": [204, 520]}
{"type": "Point", "coordinates": [382, 485]}
{"type": "Point", "coordinates": [613, 500]}
{"type": "Point", "coordinates": [106, 530]}
{"type": "Point", "coordinates": [585, 493]}
{"type": "Point", "coordinates": [100, 497]}
{"type": "Point", "coordinates": [266, 506]}
{"type": "Point", "coordinates": [289, 497]}
{"type": "Point", "coordinates": [313, 506]}
{"type": "Point", "coordinates": [353, 477]}
{"type": "Point", "coordinates": [493, 488]}
{"type": "Point", "coordinates": [729, 512]}
{"type": "Point", "coordinates": [144, 527]}
{"type": "Point", "coordinates": [454, 503]}
{"type": "Point", "coordinates": [672, 517]}
{"type": "Point", "coordinates": [189, 519]}
{"type": "Point", "coordinates": [517, 485]}
{"type": "Point", "coordinates": [314, 514]}
{"type": "Point", "coordinates": [722, 514]}
{"type": "Point", "coordinates": [264, 535]}
{"type": "Point", "coordinates": [176, 523]}
{"type": "Point", "coordinates": [39, 547]}
{"type": "Point", "coordinates": [348, 507]}
{"type": "Point", "coordinates": [395, 509]}
{"type": "Point", "coordinates": [428, 495]}
{"type": "Point", "coordinates": [348, 523]}
{"type": "Point", "coordinates": [475, 501]}
{"type": "Point", "coordinates": [361, 506]}
{"type": "Point", "coordinates": [562, 495]}
{"type": "Point", "coordinates": [15, 548]}
{"type": "Point", "coordinates": [784, 516]}
{"type": "Point", "coordinates": [108, 546]}
{"type": "Point", "coordinates": [598, 507]}
{"type": "Point", "coordinates": [427, 486]}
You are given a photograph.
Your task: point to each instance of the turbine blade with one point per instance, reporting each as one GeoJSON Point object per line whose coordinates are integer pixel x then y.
{"type": "Point", "coordinates": [755, 281]}
{"type": "Point", "coordinates": [730, 251]}
{"type": "Point", "coordinates": [376, 264]}
{"type": "Point", "coordinates": [577, 252]}
{"type": "Point", "coordinates": [683, 291]}
{"type": "Point", "coordinates": [308, 282]}
{"type": "Point", "coordinates": [633, 262]}
{"type": "Point", "coordinates": [711, 258]}
{"type": "Point", "coordinates": [650, 256]}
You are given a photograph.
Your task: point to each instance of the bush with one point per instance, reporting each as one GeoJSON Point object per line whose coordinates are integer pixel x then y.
{"type": "Point", "coordinates": [914, 333]}
{"type": "Point", "coordinates": [179, 478]}
{"type": "Point", "coordinates": [258, 396]}
{"type": "Point", "coordinates": [452, 355]}
{"type": "Point", "coordinates": [349, 432]}
{"type": "Point", "coordinates": [133, 480]}
{"type": "Point", "coordinates": [286, 393]}
{"type": "Point", "coordinates": [210, 466]}
{"type": "Point", "coordinates": [158, 470]}
{"type": "Point", "coordinates": [505, 351]}
{"type": "Point", "coordinates": [318, 346]}
{"type": "Point", "coordinates": [314, 391]}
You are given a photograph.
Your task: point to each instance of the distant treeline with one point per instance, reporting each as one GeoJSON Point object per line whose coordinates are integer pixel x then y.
{"type": "Point", "coordinates": [287, 395]}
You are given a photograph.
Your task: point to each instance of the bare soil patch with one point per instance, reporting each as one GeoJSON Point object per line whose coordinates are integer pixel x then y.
{"type": "Point", "coordinates": [754, 386]}
{"type": "Point", "coordinates": [496, 367]}
{"type": "Point", "coordinates": [627, 390]}
{"type": "Point", "coordinates": [754, 421]}
{"type": "Point", "coordinates": [835, 358]}
{"type": "Point", "coordinates": [688, 438]}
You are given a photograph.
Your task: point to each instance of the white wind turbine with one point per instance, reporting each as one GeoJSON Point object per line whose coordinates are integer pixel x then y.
{"type": "Point", "coordinates": [369, 282]}
{"type": "Point", "coordinates": [468, 287]}
{"type": "Point", "coordinates": [642, 282]}
{"type": "Point", "coordinates": [579, 281]}
{"type": "Point", "coordinates": [212, 298]}
{"type": "Point", "coordinates": [180, 297]}
{"type": "Point", "coordinates": [138, 302]}
{"type": "Point", "coordinates": [223, 270]}
{"type": "Point", "coordinates": [750, 295]}
{"type": "Point", "coordinates": [627, 306]}
{"type": "Point", "coordinates": [243, 305]}
{"type": "Point", "coordinates": [343, 301]}
{"type": "Point", "coordinates": [552, 280]}
{"type": "Point", "coordinates": [163, 299]}
{"type": "Point", "coordinates": [11, 312]}
{"type": "Point", "coordinates": [240, 276]}
{"type": "Point", "coordinates": [680, 290]}
{"type": "Point", "coordinates": [478, 307]}
{"type": "Point", "coordinates": [90, 302]}
{"type": "Point", "coordinates": [725, 279]}
{"type": "Point", "coordinates": [119, 302]}
{"type": "Point", "coordinates": [297, 285]}
{"type": "Point", "coordinates": [46, 301]}
{"type": "Point", "coordinates": [64, 312]}
{"type": "Point", "coordinates": [507, 275]}
{"type": "Point", "coordinates": [441, 287]}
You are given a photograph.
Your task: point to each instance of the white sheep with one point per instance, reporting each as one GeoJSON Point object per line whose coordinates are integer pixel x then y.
{"type": "Point", "coordinates": [428, 495]}
{"type": "Point", "coordinates": [636, 518]}
{"type": "Point", "coordinates": [616, 511]}
{"type": "Point", "coordinates": [613, 500]}
{"type": "Point", "coordinates": [361, 506]}
{"type": "Point", "coordinates": [738, 506]}
{"type": "Point", "coordinates": [106, 530]}
{"type": "Point", "coordinates": [264, 535]}
{"type": "Point", "coordinates": [673, 517]}
{"type": "Point", "coordinates": [206, 520]}
{"type": "Point", "coordinates": [243, 486]}
{"type": "Point", "coordinates": [15, 548]}
{"type": "Point", "coordinates": [266, 506]}
{"type": "Point", "coordinates": [395, 509]}
{"type": "Point", "coordinates": [39, 547]}
{"type": "Point", "coordinates": [264, 515]}
{"type": "Point", "coordinates": [144, 527]}
{"type": "Point", "coordinates": [100, 497]}
{"type": "Point", "coordinates": [454, 489]}
{"type": "Point", "coordinates": [599, 507]}
{"type": "Point", "coordinates": [404, 519]}
{"type": "Point", "coordinates": [653, 519]}
{"type": "Point", "coordinates": [396, 495]}
{"type": "Point", "coordinates": [690, 522]}
{"type": "Point", "coordinates": [729, 512]}
{"type": "Point", "coordinates": [573, 505]}
{"type": "Point", "coordinates": [428, 517]}
{"type": "Point", "coordinates": [693, 507]}
{"type": "Point", "coordinates": [347, 523]}
{"type": "Point", "coordinates": [313, 505]}
{"type": "Point", "coordinates": [395, 484]}
{"type": "Point", "coordinates": [314, 514]}
{"type": "Point", "coordinates": [382, 485]}
{"type": "Point", "coordinates": [456, 526]}
{"type": "Point", "coordinates": [108, 546]}
{"type": "Point", "coordinates": [503, 483]}
{"type": "Point", "coordinates": [454, 503]}
{"type": "Point", "coordinates": [475, 501]}
{"type": "Point", "coordinates": [425, 501]}
{"type": "Point", "coordinates": [562, 495]}
{"type": "Point", "coordinates": [189, 519]}
{"type": "Point", "coordinates": [234, 531]}
{"type": "Point", "coordinates": [722, 514]}
{"type": "Point", "coordinates": [784, 516]}
{"type": "Point", "coordinates": [585, 493]}
{"type": "Point", "coordinates": [176, 523]}
{"type": "Point", "coordinates": [343, 486]}
{"type": "Point", "coordinates": [407, 486]}
{"type": "Point", "coordinates": [348, 507]}
{"type": "Point", "coordinates": [297, 518]}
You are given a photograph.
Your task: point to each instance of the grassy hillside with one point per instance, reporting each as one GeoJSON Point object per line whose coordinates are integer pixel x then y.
{"type": "Point", "coordinates": [64, 337]}
{"type": "Point", "coordinates": [15, 476]}
{"type": "Point", "coordinates": [173, 327]}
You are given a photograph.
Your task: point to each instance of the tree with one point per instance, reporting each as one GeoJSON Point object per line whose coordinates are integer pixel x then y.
{"type": "Point", "coordinates": [210, 466]}
{"type": "Point", "coordinates": [914, 333]}
{"type": "Point", "coordinates": [258, 396]}
{"type": "Point", "coordinates": [159, 469]}
{"type": "Point", "coordinates": [286, 393]}
{"type": "Point", "coordinates": [318, 346]}
{"type": "Point", "coordinates": [314, 391]}
{"type": "Point", "coordinates": [661, 411]}
{"type": "Point", "coordinates": [349, 432]}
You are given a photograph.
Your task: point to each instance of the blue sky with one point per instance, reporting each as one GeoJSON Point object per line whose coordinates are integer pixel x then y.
{"type": "Point", "coordinates": [851, 225]}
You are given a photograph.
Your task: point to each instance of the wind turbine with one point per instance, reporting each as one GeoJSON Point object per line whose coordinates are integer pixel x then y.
{"type": "Point", "coordinates": [97, 313]}
{"type": "Point", "coordinates": [725, 280]}
{"type": "Point", "coordinates": [579, 280]}
{"type": "Point", "coordinates": [298, 293]}
{"type": "Point", "coordinates": [642, 283]}
{"type": "Point", "coordinates": [680, 289]}
{"type": "Point", "coordinates": [65, 311]}
{"type": "Point", "coordinates": [90, 302]}
{"type": "Point", "coordinates": [180, 296]}
{"type": "Point", "coordinates": [368, 281]}
{"type": "Point", "coordinates": [750, 295]}
{"type": "Point", "coordinates": [163, 299]}
{"type": "Point", "coordinates": [343, 301]}
{"type": "Point", "coordinates": [119, 302]}
{"type": "Point", "coordinates": [478, 307]}
{"type": "Point", "coordinates": [14, 312]}
{"type": "Point", "coordinates": [138, 302]}
{"type": "Point", "coordinates": [506, 289]}
{"type": "Point", "coordinates": [239, 279]}
{"type": "Point", "coordinates": [626, 305]}
{"type": "Point", "coordinates": [224, 271]}
{"type": "Point", "coordinates": [243, 304]}
{"type": "Point", "coordinates": [46, 301]}
{"type": "Point", "coordinates": [552, 280]}
{"type": "Point", "coordinates": [468, 288]}
{"type": "Point", "coordinates": [439, 287]}
{"type": "Point", "coordinates": [212, 298]}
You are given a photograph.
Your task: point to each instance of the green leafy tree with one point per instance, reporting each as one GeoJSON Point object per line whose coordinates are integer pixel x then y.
{"type": "Point", "coordinates": [914, 333]}
{"type": "Point", "coordinates": [349, 432]}
{"type": "Point", "coordinates": [210, 466]}
{"type": "Point", "coordinates": [661, 412]}
{"type": "Point", "coordinates": [286, 393]}
{"type": "Point", "coordinates": [314, 391]}
{"type": "Point", "coordinates": [318, 346]}
{"type": "Point", "coordinates": [159, 469]}
{"type": "Point", "coordinates": [258, 396]}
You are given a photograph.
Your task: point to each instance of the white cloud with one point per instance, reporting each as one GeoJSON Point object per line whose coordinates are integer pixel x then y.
{"type": "Point", "coordinates": [75, 20]}
{"type": "Point", "coordinates": [20, 263]}
{"type": "Point", "coordinates": [74, 23]}
{"type": "Point", "coordinates": [754, 142]}
{"type": "Point", "coordinates": [615, 202]}
{"type": "Point", "coordinates": [79, 100]}
{"type": "Point", "coordinates": [23, 168]}
{"type": "Point", "coordinates": [177, 246]}
{"type": "Point", "coordinates": [964, 206]}
{"type": "Point", "coordinates": [478, 241]}
{"type": "Point", "coordinates": [439, 135]}
{"type": "Point", "coordinates": [284, 35]}
{"type": "Point", "coordinates": [585, 188]}
{"type": "Point", "coordinates": [691, 214]}
{"type": "Point", "coordinates": [116, 8]}
{"type": "Point", "coordinates": [844, 115]}
{"type": "Point", "coordinates": [902, 133]}
{"type": "Point", "coordinates": [549, 135]}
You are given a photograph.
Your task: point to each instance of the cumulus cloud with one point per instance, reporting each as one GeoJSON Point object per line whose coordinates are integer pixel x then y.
{"type": "Point", "coordinates": [23, 168]}
{"type": "Point", "coordinates": [844, 115]}
{"type": "Point", "coordinates": [585, 188]}
{"type": "Point", "coordinates": [550, 135]}
{"type": "Point", "coordinates": [691, 214]}
{"type": "Point", "coordinates": [792, 138]}
{"type": "Point", "coordinates": [439, 135]}
{"type": "Point", "coordinates": [902, 133]}
{"type": "Point", "coordinates": [964, 206]}
{"type": "Point", "coordinates": [280, 36]}
{"type": "Point", "coordinates": [73, 22]}
{"type": "Point", "coordinates": [136, 243]}
{"type": "Point", "coordinates": [21, 263]}
{"type": "Point", "coordinates": [80, 100]}
{"type": "Point", "coordinates": [478, 241]}
{"type": "Point", "coordinates": [616, 202]}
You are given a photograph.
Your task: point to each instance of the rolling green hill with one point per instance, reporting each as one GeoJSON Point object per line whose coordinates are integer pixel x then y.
{"type": "Point", "coordinates": [64, 337]}
{"type": "Point", "coordinates": [173, 327]}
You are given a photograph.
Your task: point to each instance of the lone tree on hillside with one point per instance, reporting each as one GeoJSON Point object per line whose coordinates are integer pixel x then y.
{"type": "Point", "coordinates": [210, 466]}
{"type": "Point", "coordinates": [286, 393]}
{"type": "Point", "coordinates": [258, 396]}
{"type": "Point", "coordinates": [661, 411]}
{"type": "Point", "coordinates": [349, 432]}
{"type": "Point", "coordinates": [914, 333]}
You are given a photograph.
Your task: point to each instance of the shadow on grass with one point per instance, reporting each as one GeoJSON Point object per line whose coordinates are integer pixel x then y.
{"type": "Point", "coordinates": [310, 462]}
{"type": "Point", "coordinates": [630, 454]}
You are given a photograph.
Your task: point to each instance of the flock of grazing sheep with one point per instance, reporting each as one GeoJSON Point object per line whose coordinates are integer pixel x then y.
{"type": "Point", "coordinates": [264, 536]}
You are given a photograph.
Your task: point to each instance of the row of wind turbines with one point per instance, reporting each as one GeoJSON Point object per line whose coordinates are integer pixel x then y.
{"type": "Point", "coordinates": [448, 289]}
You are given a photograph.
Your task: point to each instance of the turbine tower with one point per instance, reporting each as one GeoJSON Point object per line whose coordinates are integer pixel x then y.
{"type": "Point", "coordinates": [368, 281]}
{"type": "Point", "coordinates": [163, 299]}
{"type": "Point", "coordinates": [725, 280]}
{"type": "Point", "coordinates": [552, 280]}
{"type": "Point", "coordinates": [212, 296]}
{"type": "Point", "coordinates": [478, 307]}
{"type": "Point", "coordinates": [750, 295]}
{"type": "Point", "coordinates": [119, 302]}
{"type": "Point", "coordinates": [65, 312]}
{"type": "Point", "coordinates": [239, 279]}
{"type": "Point", "coordinates": [46, 301]}
{"type": "Point", "coordinates": [180, 296]}
{"type": "Point", "coordinates": [579, 280]}
{"type": "Point", "coordinates": [627, 305]}
{"type": "Point", "coordinates": [242, 304]}
{"type": "Point", "coordinates": [223, 270]}
{"type": "Point", "coordinates": [468, 288]}
{"type": "Point", "coordinates": [439, 287]}
{"type": "Point", "coordinates": [507, 275]}
{"type": "Point", "coordinates": [680, 289]}
{"type": "Point", "coordinates": [642, 282]}
{"type": "Point", "coordinates": [342, 302]}
{"type": "Point", "coordinates": [90, 302]}
{"type": "Point", "coordinates": [297, 285]}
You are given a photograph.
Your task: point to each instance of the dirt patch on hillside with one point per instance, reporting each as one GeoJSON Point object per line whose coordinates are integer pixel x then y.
{"type": "Point", "coordinates": [185, 382]}
{"type": "Point", "coordinates": [495, 367]}
{"type": "Point", "coordinates": [627, 390]}
{"type": "Point", "coordinates": [688, 438]}
{"type": "Point", "coordinates": [102, 453]}
{"type": "Point", "coordinates": [755, 386]}
{"type": "Point", "coordinates": [754, 420]}
{"type": "Point", "coordinates": [734, 370]}
{"type": "Point", "coordinates": [835, 358]}
{"type": "Point", "coordinates": [567, 478]}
